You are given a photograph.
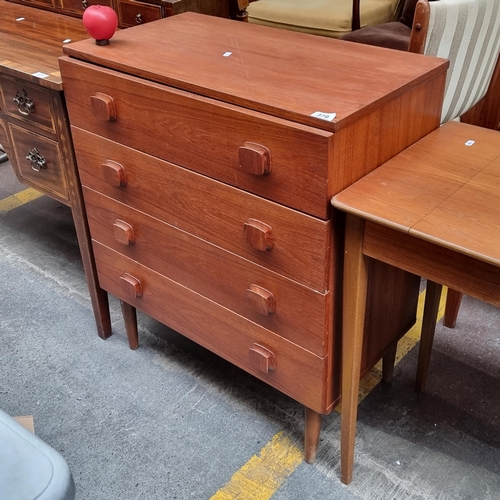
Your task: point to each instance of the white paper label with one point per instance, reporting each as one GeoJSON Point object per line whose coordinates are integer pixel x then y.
{"type": "Point", "coordinates": [20, 19]}
{"type": "Point", "coordinates": [39, 74]}
{"type": "Point", "coordinates": [226, 54]}
{"type": "Point", "coordinates": [329, 117]}
{"type": "Point", "coordinates": [470, 143]}
{"type": "Point", "coordinates": [67, 40]}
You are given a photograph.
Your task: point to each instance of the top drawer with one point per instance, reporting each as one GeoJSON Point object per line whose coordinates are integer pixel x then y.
{"type": "Point", "coordinates": [271, 157]}
{"type": "Point", "coordinates": [132, 13]}
{"type": "Point", "coordinates": [78, 6]}
{"type": "Point", "coordinates": [27, 102]}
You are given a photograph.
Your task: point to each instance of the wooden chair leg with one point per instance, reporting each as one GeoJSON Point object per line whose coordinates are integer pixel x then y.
{"type": "Point", "coordinates": [354, 296]}
{"type": "Point", "coordinates": [388, 362]}
{"type": "Point", "coordinates": [312, 432]}
{"type": "Point", "coordinates": [431, 307]}
{"type": "Point", "coordinates": [130, 318]}
{"type": "Point", "coordinates": [453, 300]}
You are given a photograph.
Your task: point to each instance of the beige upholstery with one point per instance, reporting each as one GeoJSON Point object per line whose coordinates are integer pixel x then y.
{"type": "Point", "coordinates": [467, 32]}
{"type": "Point", "coordinates": [320, 17]}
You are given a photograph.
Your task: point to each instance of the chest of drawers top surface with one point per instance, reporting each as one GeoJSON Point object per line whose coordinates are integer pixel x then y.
{"type": "Point", "coordinates": [31, 41]}
{"type": "Point", "coordinates": [285, 74]}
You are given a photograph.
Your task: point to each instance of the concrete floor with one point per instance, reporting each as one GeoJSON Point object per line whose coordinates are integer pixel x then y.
{"type": "Point", "coordinates": [173, 421]}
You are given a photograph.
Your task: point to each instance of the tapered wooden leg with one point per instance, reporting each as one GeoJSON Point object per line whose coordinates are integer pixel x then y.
{"type": "Point", "coordinates": [388, 362]}
{"type": "Point", "coordinates": [130, 319]}
{"type": "Point", "coordinates": [98, 296]}
{"type": "Point", "coordinates": [354, 296]}
{"type": "Point", "coordinates": [453, 300]}
{"type": "Point", "coordinates": [431, 307]}
{"type": "Point", "coordinates": [312, 432]}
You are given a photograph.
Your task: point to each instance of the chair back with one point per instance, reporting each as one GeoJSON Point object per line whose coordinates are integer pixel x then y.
{"type": "Point", "coordinates": [467, 32]}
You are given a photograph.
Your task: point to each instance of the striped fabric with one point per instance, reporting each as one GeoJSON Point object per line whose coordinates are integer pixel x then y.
{"type": "Point", "coordinates": [467, 32]}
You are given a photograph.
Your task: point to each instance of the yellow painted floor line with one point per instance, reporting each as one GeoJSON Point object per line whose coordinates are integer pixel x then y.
{"type": "Point", "coordinates": [263, 474]}
{"type": "Point", "coordinates": [18, 199]}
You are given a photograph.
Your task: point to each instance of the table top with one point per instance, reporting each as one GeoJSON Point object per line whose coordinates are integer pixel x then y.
{"type": "Point", "coordinates": [283, 73]}
{"type": "Point", "coordinates": [31, 42]}
{"type": "Point", "coordinates": [444, 189]}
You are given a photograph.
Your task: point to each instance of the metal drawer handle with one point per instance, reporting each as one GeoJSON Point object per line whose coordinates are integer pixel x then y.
{"type": "Point", "coordinates": [37, 160]}
{"type": "Point", "coordinates": [25, 105]}
{"type": "Point", "coordinates": [84, 4]}
{"type": "Point", "coordinates": [138, 18]}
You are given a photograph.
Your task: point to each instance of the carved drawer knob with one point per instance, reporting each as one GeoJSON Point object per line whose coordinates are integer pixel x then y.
{"type": "Point", "coordinates": [103, 107]}
{"type": "Point", "coordinates": [114, 173]}
{"type": "Point", "coordinates": [131, 286]}
{"type": "Point", "coordinates": [255, 159]}
{"type": "Point", "coordinates": [261, 300]}
{"type": "Point", "coordinates": [123, 232]}
{"type": "Point", "coordinates": [262, 358]}
{"type": "Point", "coordinates": [258, 235]}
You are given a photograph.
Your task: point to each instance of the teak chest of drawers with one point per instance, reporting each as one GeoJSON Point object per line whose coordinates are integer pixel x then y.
{"type": "Point", "coordinates": [34, 125]}
{"type": "Point", "coordinates": [207, 184]}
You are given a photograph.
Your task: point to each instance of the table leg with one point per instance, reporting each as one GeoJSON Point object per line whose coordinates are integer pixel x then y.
{"type": "Point", "coordinates": [431, 308]}
{"type": "Point", "coordinates": [388, 362]}
{"type": "Point", "coordinates": [354, 297]}
{"type": "Point", "coordinates": [130, 318]}
{"type": "Point", "coordinates": [453, 300]}
{"type": "Point", "coordinates": [312, 431]}
{"type": "Point", "coordinates": [98, 296]}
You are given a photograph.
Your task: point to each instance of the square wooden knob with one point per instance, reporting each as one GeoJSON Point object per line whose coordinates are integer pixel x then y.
{"type": "Point", "coordinates": [262, 358]}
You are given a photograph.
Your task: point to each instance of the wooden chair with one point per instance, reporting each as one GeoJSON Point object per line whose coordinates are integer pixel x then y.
{"type": "Point", "coordinates": [331, 18]}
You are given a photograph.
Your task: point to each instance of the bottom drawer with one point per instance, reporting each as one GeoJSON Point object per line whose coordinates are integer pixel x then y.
{"type": "Point", "coordinates": [38, 162]}
{"type": "Point", "coordinates": [296, 372]}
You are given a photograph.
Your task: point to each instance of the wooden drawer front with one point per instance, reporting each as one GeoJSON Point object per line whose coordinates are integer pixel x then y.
{"type": "Point", "coordinates": [203, 135]}
{"type": "Point", "coordinates": [46, 3]}
{"type": "Point", "coordinates": [78, 6]}
{"type": "Point", "coordinates": [46, 158]}
{"type": "Point", "coordinates": [298, 373]}
{"type": "Point", "coordinates": [277, 303]}
{"type": "Point", "coordinates": [27, 102]}
{"type": "Point", "coordinates": [208, 209]}
{"type": "Point", "coordinates": [132, 13]}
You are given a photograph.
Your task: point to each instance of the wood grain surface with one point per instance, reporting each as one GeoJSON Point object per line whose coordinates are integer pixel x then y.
{"type": "Point", "coordinates": [283, 73]}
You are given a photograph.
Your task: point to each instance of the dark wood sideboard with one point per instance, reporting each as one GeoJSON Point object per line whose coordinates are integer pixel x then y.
{"type": "Point", "coordinates": [208, 159]}
{"type": "Point", "coordinates": [135, 12]}
{"type": "Point", "coordinates": [34, 126]}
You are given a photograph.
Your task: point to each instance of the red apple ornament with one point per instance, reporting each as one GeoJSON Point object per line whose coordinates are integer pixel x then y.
{"type": "Point", "coordinates": [100, 22]}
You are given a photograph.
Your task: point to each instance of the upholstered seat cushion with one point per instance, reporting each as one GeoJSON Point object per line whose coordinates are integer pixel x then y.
{"type": "Point", "coordinates": [331, 18]}
{"type": "Point", "coordinates": [394, 35]}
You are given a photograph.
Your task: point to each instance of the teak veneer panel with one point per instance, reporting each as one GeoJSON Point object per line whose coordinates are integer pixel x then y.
{"type": "Point", "coordinates": [299, 373]}
{"type": "Point", "coordinates": [209, 209]}
{"type": "Point", "coordinates": [301, 314]}
{"type": "Point", "coordinates": [204, 135]}
{"type": "Point", "coordinates": [279, 72]}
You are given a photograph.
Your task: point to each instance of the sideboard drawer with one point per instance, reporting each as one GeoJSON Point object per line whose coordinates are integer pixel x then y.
{"type": "Point", "coordinates": [39, 161]}
{"type": "Point", "coordinates": [131, 13]}
{"type": "Point", "coordinates": [274, 158]}
{"type": "Point", "coordinates": [78, 6]}
{"type": "Point", "coordinates": [297, 372]}
{"type": "Point", "coordinates": [281, 305]}
{"type": "Point", "coordinates": [207, 208]}
{"type": "Point", "coordinates": [27, 102]}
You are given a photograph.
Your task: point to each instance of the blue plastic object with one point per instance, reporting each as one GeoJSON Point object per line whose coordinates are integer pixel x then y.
{"type": "Point", "coordinates": [29, 468]}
